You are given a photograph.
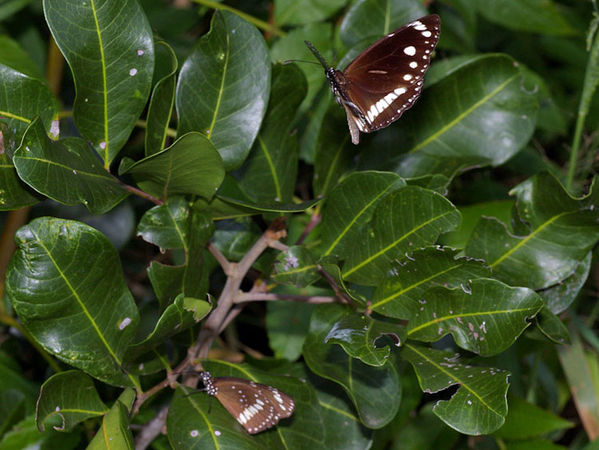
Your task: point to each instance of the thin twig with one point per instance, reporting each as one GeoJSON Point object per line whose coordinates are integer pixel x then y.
{"type": "Point", "coordinates": [245, 297]}
{"type": "Point", "coordinates": [314, 220]}
{"type": "Point", "coordinates": [152, 429]}
{"type": "Point", "coordinates": [224, 262]}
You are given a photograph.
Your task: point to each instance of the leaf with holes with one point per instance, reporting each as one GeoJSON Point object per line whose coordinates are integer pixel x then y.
{"type": "Point", "coordinates": [109, 47]}
{"type": "Point", "coordinates": [479, 406]}
{"type": "Point", "coordinates": [485, 318]}
{"type": "Point", "coordinates": [59, 282]}
{"type": "Point", "coordinates": [399, 293]}
{"type": "Point", "coordinates": [224, 85]}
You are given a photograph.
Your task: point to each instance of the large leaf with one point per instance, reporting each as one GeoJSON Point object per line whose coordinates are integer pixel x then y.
{"type": "Point", "coordinates": [480, 114]}
{"type": "Point", "coordinates": [67, 171]}
{"type": "Point", "coordinates": [401, 291]}
{"type": "Point", "coordinates": [561, 230]}
{"type": "Point", "coordinates": [350, 206]}
{"type": "Point", "coordinates": [485, 318]}
{"type": "Point", "coordinates": [115, 431]}
{"type": "Point", "coordinates": [376, 18]}
{"type": "Point", "coordinates": [66, 283]}
{"type": "Point", "coordinates": [272, 168]}
{"type": "Point", "coordinates": [406, 219]}
{"type": "Point", "coordinates": [224, 85]}
{"type": "Point", "coordinates": [109, 47]}
{"type": "Point", "coordinates": [479, 406]}
{"type": "Point", "coordinates": [374, 391]}
{"type": "Point", "coordinates": [24, 94]}
{"type": "Point", "coordinates": [166, 225]}
{"type": "Point", "coordinates": [70, 396]}
{"type": "Point", "coordinates": [190, 166]}
{"type": "Point", "coordinates": [532, 16]}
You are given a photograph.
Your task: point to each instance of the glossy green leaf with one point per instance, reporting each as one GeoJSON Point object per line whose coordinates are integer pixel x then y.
{"type": "Point", "coordinates": [24, 94]}
{"type": "Point", "coordinates": [66, 170]}
{"type": "Point", "coordinates": [552, 327]}
{"type": "Point", "coordinates": [59, 282]}
{"type": "Point", "coordinates": [14, 194]}
{"type": "Point", "coordinates": [25, 435]}
{"type": "Point", "coordinates": [480, 114]}
{"type": "Point", "coordinates": [197, 421]}
{"type": "Point", "coordinates": [400, 292]}
{"type": "Point", "coordinates": [272, 167]}
{"type": "Point", "coordinates": [485, 318]}
{"type": "Point", "coordinates": [296, 266]}
{"type": "Point", "coordinates": [109, 47]}
{"type": "Point", "coordinates": [561, 229]}
{"type": "Point", "coordinates": [115, 431]}
{"type": "Point", "coordinates": [404, 220]}
{"type": "Point", "coordinates": [292, 46]}
{"type": "Point", "coordinates": [287, 325]}
{"type": "Point", "coordinates": [224, 85]}
{"type": "Point", "coordinates": [532, 16]}
{"type": "Point", "coordinates": [166, 225]}
{"type": "Point", "coordinates": [72, 397]}
{"type": "Point", "coordinates": [181, 315]}
{"type": "Point", "coordinates": [350, 206]}
{"type": "Point", "coordinates": [377, 18]}
{"type": "Point", "coordinates": [190, 166]}
{"type": "Point", "coordinates": [359, 335]}
{"type": "Point", "coordinates": [300, 12]}
{"type": "Point", "coordinates": [335, 153]}
{"type": "Point", "coordinates": [162, 100]}
{"type": "Point", "coordinates": [479, 406]}
{"type": "Point", "coordinates": [559, 297]}
{"type": "Point", "coordinates": [374, 391]}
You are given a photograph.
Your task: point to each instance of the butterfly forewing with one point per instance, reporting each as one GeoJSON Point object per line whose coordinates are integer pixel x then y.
{"type": "Point", "coordinates": [255, 406]}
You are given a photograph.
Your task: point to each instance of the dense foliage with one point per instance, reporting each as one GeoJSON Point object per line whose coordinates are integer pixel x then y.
{"type": "Point", "coordinates": [183, 199]}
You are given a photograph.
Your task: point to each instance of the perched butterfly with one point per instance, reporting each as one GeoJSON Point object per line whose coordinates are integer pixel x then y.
{"type": "Point", "coordinates": [256, 406]}
{"type": "Point", "coordinates": [386, 78]}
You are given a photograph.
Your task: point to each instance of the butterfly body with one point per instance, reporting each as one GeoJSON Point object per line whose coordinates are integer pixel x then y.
{"type": "Point", "coordinates": [385, 79]}
{"type": "Point", "coordinates": [255, 406]}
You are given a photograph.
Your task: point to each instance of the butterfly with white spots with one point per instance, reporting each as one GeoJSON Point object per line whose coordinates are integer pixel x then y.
{"type": "Point", "coordinates": [385, 80]}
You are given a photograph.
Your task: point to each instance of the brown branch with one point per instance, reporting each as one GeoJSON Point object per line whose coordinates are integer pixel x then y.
{"type": "Point", "coordinates": [152, 429]}
{"type": "Point", "coordinates": [259, 296]}
{"type": "Point", "coordinates": [224, 262]}
{"type": "Point", "coordinates": [314, 220]}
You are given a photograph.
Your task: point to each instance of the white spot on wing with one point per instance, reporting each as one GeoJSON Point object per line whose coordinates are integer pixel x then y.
{"type": "Point", "coordinates": [410, 50]}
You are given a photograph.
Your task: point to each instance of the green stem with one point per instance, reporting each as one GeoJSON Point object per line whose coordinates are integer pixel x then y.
{"type": "Point", "coordinates": [591, 79]}
{"type": "Point", "coordinates": [251, 19]}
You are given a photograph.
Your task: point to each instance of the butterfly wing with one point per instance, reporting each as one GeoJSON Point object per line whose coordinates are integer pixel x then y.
{"type": "Point", "coordinates": [387, 77]}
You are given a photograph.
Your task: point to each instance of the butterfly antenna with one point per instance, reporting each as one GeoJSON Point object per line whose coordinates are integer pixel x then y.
{"type": "Point", "coordinates": [290, 61]}
{"type": "Point", "coordinates": [319, 57]}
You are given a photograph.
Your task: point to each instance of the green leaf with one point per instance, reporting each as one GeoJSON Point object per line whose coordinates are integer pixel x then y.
{"type": "Point", "coordinates": [193, 424]}
{"type": "Point", "coordinates": [479, 406]}
{"type": "Point", "coordinates": [224, 86]}
{"type": "Point", "coordinates": [374, 391]}
{"type": "Point", "coordinates": [67, 171]}
{"type": "Point", "coordinates": [24, 94]}
{"type": "Point", "coordinates": [166, 225]}
{"type": "Point", "coordinates": [10, 7]}
{"type": "Point", "coordinates": [110, 50]}
{"type": "Point", "coordinates": [334, 152]}
{"type": "Point", "coordinates": [350, 206]}
{"type": "Point", "coordinates": [561, 230]}
{"type": "Point", "coordinates": [526, 420]}
{"type": "Point", "coordinates": [358, 335]}
{"type": "Point", "coordinates": [300, 12]}
{"type": "Point", "coordinates": [531, 16]}
{"type": "Point", "coordinates": [296, 266]}
{"type": "Point", "coordinates": [480, 114]}
{"type": "Point", "coordinates": [552, 327]}
{"type": "Point", "coordinates": [559, 297]}
{"type": "Point", "coordinates": [399, 293]}
{"type": "Point", "coordinates": [199, 308]}
{"type": "Point", "coordinates": [485, 318]}
{"type": "Point", "coordinates": [190, 166]}
{"type": "Point", "coordinates": [115, 431]}
{"type": "Point", "coordinates": [25, 435]}
{"type": "Point", "coordinates": [424, 430]}
{"type": "Point", "coordinates": [404, 220]}
{"type": "Point", "coordinates": [14, 194]}
{"type": "Point", "coordinates": [12, 408]}
{"type": "Point", "coordinates": [376, 18]}
{"type": "Point", "coordinates": [72, 397]}
{"type": "Point", "coordinates": [59, 281]}
{"type": "Point", "coordinates": [272, 167]}
{"type": "Point", "coordinates": [162, 99]}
